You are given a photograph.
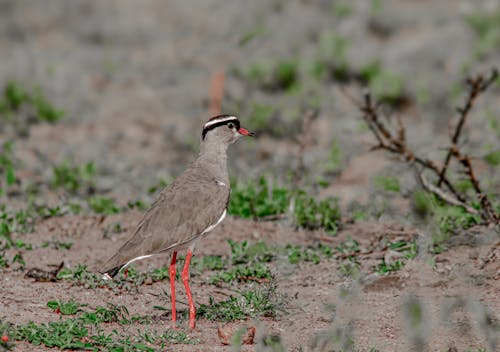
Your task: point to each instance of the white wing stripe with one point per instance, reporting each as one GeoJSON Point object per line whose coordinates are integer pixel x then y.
{"type": "Point", "coordinates": [210, 228]}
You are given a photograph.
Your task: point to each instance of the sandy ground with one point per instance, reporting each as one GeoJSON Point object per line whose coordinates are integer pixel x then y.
{"type": "Point", "coordinates": [134, 81]}
{"type": "Point", "coordinates": [319, 301]}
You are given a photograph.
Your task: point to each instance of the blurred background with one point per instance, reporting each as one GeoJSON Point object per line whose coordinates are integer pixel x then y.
{"type": "Point", "coordinates": [131, 81]}
{"type": "Point", "coordinates": [102, 104]}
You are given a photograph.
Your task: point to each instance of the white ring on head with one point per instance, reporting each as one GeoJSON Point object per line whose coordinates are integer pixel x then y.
{"type": "Point", "coordinates": [219, 120]}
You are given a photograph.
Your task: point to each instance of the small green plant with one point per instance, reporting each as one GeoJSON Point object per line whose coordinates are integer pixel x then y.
{"type": "Point", "coordinates": [158, 186]}
{"type": "Point", "coordinates": [387, 183]}
{"type": "Point", "coordinates": [14, 222]}
{"type": "Point", "coordinates": [128, 279]}
{"type": "Point", "coordinates": [348, 246]}
{"type": "Point", "coordinates": [112, 313]}
{"type": "Point", "coordinates": [65, 334]}
{"type": "Point", "coordinates": [57, 244]}
{"type": "Point", "coordinates": [258, 117]}
{"type": "Point", "coordinates": [81, 276]}
{"type": "Point", "coordinates": [45, 110]}
{"type": "Point", "coordinates": [297, 254]}
{"type": "Point", "coordinates": [409, 250]}
{"type": "Point", "coordinates": [245, 253]}
{"type": "Point", "coordinates": [114, 228]}
{"type": "Point", "coordinates": [332, 54]}
{"type": "Point", "coordinates": [342, 8]}
{"type": "Point", "coordinates": [312, 214]}
{"type": "Point", "coordinates": [252, 303]}
{"type": "Point", "coordinates": [449, 218]}
{"type": "Point", "coordinates": [241, 273]}
{"type": "Point", "coordinates": [74, 177]}
{"type": "Point", "coordinates": [260, 200]}
{"type": "Point", "coordinates": [65, 308]}
{"type": "Point", "coordinates": [3, 261]}
{"type": "Point", "coordinates": [15, 96]}
{"type": "Point", "coordinates": [387, 86]}
{"type": "Point", "coordinates": [83, 331]}
{"type": "Point", "coordinates": [335, 160]}
{"type": "Point", "coordinates": [487, 28]}
{"type": "Point", "coordinates": [257, 199]}
{"type": "Point", "coordinates": [278, 75]}
{"type": "Point", "coordinates": [421, 203]}
{"type": "Point", "coordinates": [210, 262]}
{"type": "Point", "coordinates": [349, 267]}
{"type": "Point", "coordinates": [103, 205]}
{"type": "Point", "coordinates": [493, 157]}
{"type": "Point", "coordinates": [7, 166]}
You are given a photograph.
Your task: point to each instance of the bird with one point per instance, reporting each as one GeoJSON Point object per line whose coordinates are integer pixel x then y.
{"type": "Point", "coordinates": [186, 210]}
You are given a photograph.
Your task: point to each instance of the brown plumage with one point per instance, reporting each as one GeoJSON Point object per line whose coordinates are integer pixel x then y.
{"type": "Point", "coordinates": [193, 202]}
{"type": "Point", "coordinates": [187, 209]}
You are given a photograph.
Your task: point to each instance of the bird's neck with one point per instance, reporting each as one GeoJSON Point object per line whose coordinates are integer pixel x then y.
{"type": "Point", "coordinates": [213, 158]}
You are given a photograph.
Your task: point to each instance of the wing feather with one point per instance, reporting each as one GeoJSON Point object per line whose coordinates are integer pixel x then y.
{"type": "Point", "coordinates": [181, 212]}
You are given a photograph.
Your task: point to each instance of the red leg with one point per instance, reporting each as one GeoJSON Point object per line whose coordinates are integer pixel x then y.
{"type": "Point", "coordinates": [185, 280]}
{"type": "Point", "coordinates": [172, 273]}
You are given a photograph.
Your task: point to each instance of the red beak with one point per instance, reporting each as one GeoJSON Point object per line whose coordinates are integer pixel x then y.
{"type": "Point", "coordinates": [246, 132]}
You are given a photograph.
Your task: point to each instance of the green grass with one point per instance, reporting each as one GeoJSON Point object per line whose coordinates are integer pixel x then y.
{"type": "Point", "coordinates": [23, 221]}
{"type": "Point", "coordinates": [73, 178]}
{"type": "Point", "coordinates": [209, 262]}
{"type": "Point", "coordinates": [83, 331]}
{"type": "Point", "coordinates": [387, 183]}
{"type": "Point", "coordinates": [103, 205]}
{"type": "Point", "coordinates": [487, 28]}
{"type": "Point", "coordinates": [297, 254]}
{"type": "Point", "coordinates": [57, 244]}
{"type": "Point", "coordinates": [312, 214]}
{"type": "Point", "coordinates": [260, 200]}
{"type": "Point", "coordinates": [259, 116]}
{"type": "Point", "coordinates": [449, 218]}
{"type": "Point", "coordinates": [7, 171]}
{"type": "Point", "coordinates": [275, 75]}
{"type": "Point", "coordinates": [493, 157]}
{"type": "Point", "coordinates": [385, 85]}
{"type": "Point", "coordinates": [128, 279]}
{"type": "Point", "coordinates": [113, 228]}
{"type": "Point", "coordinates": [409, 250]}
{"type": "Point", "coordinates": [15, 97]}
{"type": "Point", "coordinates": [242, 273]}
{"type": "Point", "coordinates": [249, 304]}
{"type": "Point", "coordinates": [242, 253]}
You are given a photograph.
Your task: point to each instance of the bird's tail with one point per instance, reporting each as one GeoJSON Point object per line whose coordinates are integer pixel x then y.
{"type": "Point", "coordinates": [111, 273]}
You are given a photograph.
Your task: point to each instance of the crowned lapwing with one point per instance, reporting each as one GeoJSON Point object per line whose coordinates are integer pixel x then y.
{"type": "Point", "coordinates": [186, 210]}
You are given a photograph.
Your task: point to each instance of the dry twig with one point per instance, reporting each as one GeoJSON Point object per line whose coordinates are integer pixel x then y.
{"type": "Point", "coordinates": [476, 85]}
{"type": "Point", "coordinates": [395, 143]}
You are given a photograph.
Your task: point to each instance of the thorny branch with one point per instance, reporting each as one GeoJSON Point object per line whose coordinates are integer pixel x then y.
{"type": "Point", "coordinates": [396, 143]}
{"type": "Point", "coordinates": [476, 85]}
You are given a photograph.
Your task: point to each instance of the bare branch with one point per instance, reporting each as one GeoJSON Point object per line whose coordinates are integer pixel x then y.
{"type": "Point", "coordinates": [477, 85]}
{"type": "Point", "coordinates": [488, 214]}
{"type": "Point", "coordinates": [447, 197]}
{"type": "Point", "coordinates": [395, 143]}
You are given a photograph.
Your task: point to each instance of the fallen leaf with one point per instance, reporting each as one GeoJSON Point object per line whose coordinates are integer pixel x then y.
{"type": "Point", "coordinates": [227, 332]}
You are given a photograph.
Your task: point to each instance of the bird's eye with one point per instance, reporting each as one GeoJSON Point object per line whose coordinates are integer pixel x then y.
{"type": "Point", "coordinates": [230, 125]}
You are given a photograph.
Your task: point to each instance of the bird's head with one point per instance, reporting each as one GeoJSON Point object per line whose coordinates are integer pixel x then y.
{"type": "Point", "coordinates": [224, 129]}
